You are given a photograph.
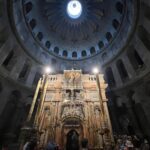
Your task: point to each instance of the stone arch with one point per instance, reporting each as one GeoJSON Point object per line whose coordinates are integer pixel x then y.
{"type": "Point", "coordinates": [84, 54]}
{"type": "Point", "coordinates": [32, 23]}
{"type": "Point", "coordinates": [110, 77]}
{"type": "Point", "coordinates": [115, 24]}
{"type": "Point", "coordinates": [48, 44]}
{"type": "Point", "coordinates": [25, 71]}
{"type": "Point", "coordinates": [10, 60]}
{"type": "Point", "coordinates": [134, 58]}
{"type": "Point", "coordinates": [40, 36]}
{"type": "Point", "coordinates": [74, 54]}
{"type": "Point", "coordinates": [28, 7]}
{"type": "Point", "coordinates": [108, 36]}
{"type": "Point", "coordinates": [100, 44]}
{"type": "Point", "coordinates": [65, 130]}
{"type": "Point", "coordinates": [72, 140]}
{"type": "Point", "coordinates": [56, 50]}
{"type": "Point", "coordinates": [65, 53]}
{"type": "Point", "coordinates": [92, 50]}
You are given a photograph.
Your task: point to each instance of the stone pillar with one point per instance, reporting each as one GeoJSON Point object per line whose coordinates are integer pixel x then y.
{"type": "Point", "coordinates": [103, 86]}
{"type": "Point", "coordinates": [5, 97]}
{"type": "Point", "coordinates": [131, 113]}
{"type": "Point", "coordinates": [141, 108]}
{"type": "Point", "coordinates": [16, 119]}
{"type": "Point", "coordinates": [143, 51]}
{"type": "Point", "coordinates": [31, 76]}
{"type": "Point", "coordinates": [117, 76]}
{"type": "Point", "coordinates": [142, 119]}
{"type": "Point", "coordinates": [112, 105]}
{"type": "Point", "coordinates": [128, 66]}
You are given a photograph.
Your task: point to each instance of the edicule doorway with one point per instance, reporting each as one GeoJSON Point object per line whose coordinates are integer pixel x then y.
{"type": "Point", "coordinates": [72, 140]}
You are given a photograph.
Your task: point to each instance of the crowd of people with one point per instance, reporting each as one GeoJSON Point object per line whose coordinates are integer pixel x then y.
{"type": "Point", "coordinates": [32, 145]}
{"type": "Point", "coordinates": [124, 142]}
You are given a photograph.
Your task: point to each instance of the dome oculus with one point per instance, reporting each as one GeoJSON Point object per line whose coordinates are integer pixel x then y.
{"type": "Point", "coordinates": [74, 9]}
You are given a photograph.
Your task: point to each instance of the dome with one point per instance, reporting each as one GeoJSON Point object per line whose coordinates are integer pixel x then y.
{"type": "Point", "coordinates": [74, 29]}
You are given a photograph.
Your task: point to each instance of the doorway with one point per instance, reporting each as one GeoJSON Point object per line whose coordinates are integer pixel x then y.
{"type": "Point", "coordinates": [72, 140]}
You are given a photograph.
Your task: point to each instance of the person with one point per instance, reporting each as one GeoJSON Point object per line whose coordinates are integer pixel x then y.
{"type": "Point", "coordinates": [84, 144]}
{"type": "Point", "coordinates": [26, 146]}
{"type": "Point", "coordinates": [136, 142]}
{"type": "Point", "coordinates": [74, 141]}
{"type": "Point", "coordinates": [51, 146]}
{"type": "Point", "coordinates": [129, 145]}
{"type": "Point", "coordinates": [30, 145]}
{"type": "Point", "coordinates": [5, 147]}
{"type": "Point", "coordinates": [33, 144]}
{"type": "Point", "coordinates": [145, 145]}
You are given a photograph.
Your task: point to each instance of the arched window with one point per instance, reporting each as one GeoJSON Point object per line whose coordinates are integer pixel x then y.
{"type": "Point", "coordinates": [119, 7]}
{"type": "Point", "coordinates": [135, 58]}
{"type": "Point", "coordinates": [74, 54]}
{"type": "Point", "coordinates": [138, 59]}
{"type": "Point", "coordinates": [84, 53]}
{"type": "Point", "coordinates": [115, 24]}
{"type": "Point", "coordinates": [24, 72]}
{"type": "Point", "coordinates": [36, 78]}
{"type": "Point", "coordinates": [56, 50]}
{"type": "Point", "coordinates": [9, 61]}
{"type": "Point", "coordinates": [28, 7]}
{"type": "Point", "coordinates": [48, 44]}
{"type": "Point", "coordinates": [101, 44]}
{"type": "Point", "coordinates": [92, 50]}
{"type": "Point", "coordinates": [144, 35]}
{"type": "Point", "coordinates": [122, 70]}
{"type": "Point", "coordinates": [32, 23]}
{"type": "Point", "coordinates": [108, 36]}
{"type": "Point", "coordinates": [65, 53]}
{"type": "Point", "coordinates": [110, 77]}
{"type": "Point", "coordinates": [40, 36]}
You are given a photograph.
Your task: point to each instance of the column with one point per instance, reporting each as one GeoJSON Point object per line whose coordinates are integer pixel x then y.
{"type": "Point", "coordinates": [116, 75]}
{"type": "Point", "coordinates": [131, 113]}
{"type": "Point", "coordinates": [143, 51]}
{"type": "Point", "coordinates": [31, 76]}
{"type": "Point", "coordinates": [128, 66]}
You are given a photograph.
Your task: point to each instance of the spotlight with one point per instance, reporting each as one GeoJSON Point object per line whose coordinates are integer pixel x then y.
{"type": "Point", "coordinates": [48, 70]}
{"type": "Point", "coordinates": [74, 9]}
{"type": "Point", "coordinates": [95, 70]}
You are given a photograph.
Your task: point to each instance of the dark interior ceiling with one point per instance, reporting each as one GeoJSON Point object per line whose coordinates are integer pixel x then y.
{"type": "Point", "coordinates": [45, 27]}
